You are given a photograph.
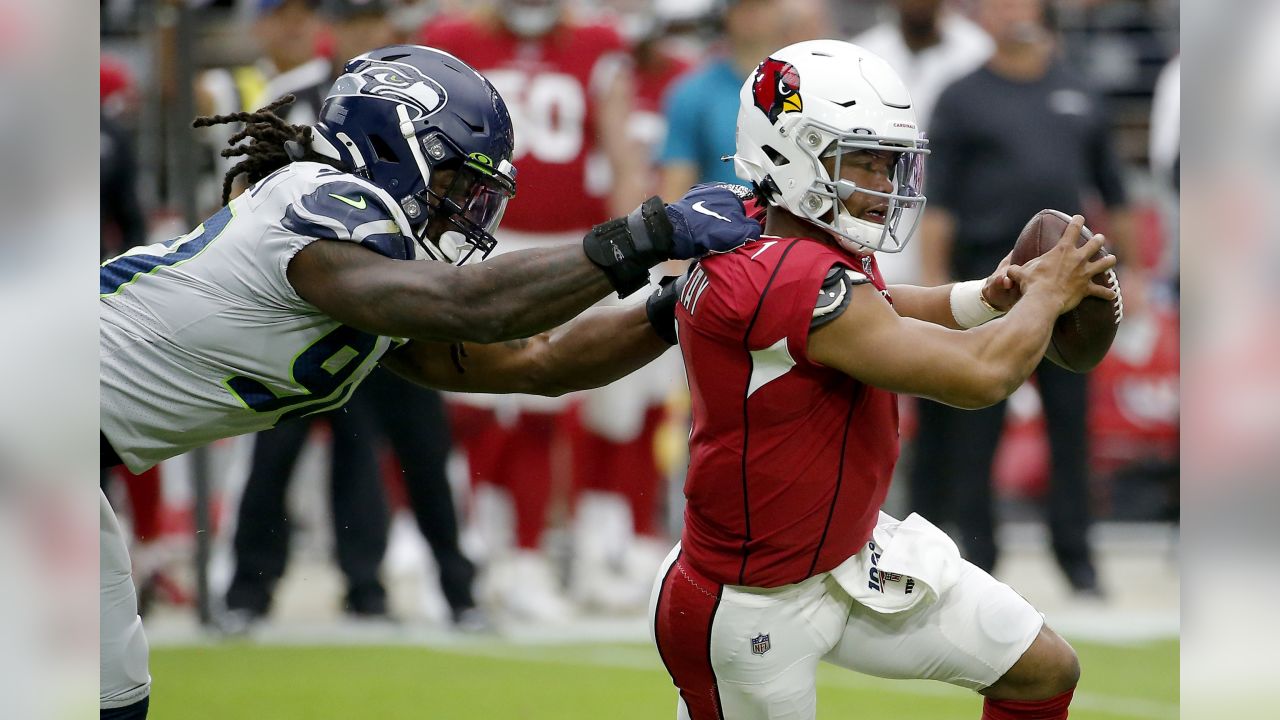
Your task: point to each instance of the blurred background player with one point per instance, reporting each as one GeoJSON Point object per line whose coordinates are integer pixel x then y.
{"type": "Point", "coordinates": [285, 33]}
{"type": "Point", "coordinates": [807, 20]}
{"type": "Point", "coordinates": [930, 45]}
{"type": "Point", "coordinates": [1020, 134]}
{"type": "Point", "coordinates": [702, 107]}
{"type": "Point", "coordinates": [569, 86]}
{"type": "Point", "coordinates": [123, 223]}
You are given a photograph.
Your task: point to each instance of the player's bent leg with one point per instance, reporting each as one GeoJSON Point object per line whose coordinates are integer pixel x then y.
{"type": "Point", "coordinates": [1039, 686]}
{"type": "Point", "coordinates": [124, 681]}
{"type": "Point", "coordinates": [970, 636]}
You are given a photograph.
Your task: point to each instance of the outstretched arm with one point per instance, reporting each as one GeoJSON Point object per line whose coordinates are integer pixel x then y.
{"type": "Point", "coordinates": [518, 294]}
{"type": "Point", "coordinates": [596, 348]}
{"type": "Point", "coordinates": [513, 295]}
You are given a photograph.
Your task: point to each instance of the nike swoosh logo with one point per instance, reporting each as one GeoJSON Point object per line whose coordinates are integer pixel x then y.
{"type": "Point", "coordinates": [699, 207]}
{"type": "Point", "coordinates": [357, 205]}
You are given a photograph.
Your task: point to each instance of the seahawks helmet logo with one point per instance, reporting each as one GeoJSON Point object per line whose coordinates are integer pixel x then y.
{"type": "Point", "coordinates": [397, 82]}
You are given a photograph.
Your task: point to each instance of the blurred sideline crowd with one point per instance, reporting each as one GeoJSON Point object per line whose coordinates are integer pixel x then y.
{"type": "Point", "coordinates": [539, 509]}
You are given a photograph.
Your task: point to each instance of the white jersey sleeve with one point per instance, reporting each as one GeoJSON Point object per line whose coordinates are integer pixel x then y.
{"type": "Point", "coordinates": [202, 337]}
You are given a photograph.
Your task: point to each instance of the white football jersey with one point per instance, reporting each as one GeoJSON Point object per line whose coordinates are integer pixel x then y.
{"type": "Point", "coordinates": [202, 337]}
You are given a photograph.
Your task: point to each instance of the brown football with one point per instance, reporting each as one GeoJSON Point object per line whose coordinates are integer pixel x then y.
{"type": "Point", "coordinates": [1081, 337]}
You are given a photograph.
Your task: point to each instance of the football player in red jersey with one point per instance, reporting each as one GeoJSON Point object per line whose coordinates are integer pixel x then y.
{"type": "Point", "coordinates": [794, 350]}
{"type": "Point", "coordinates": [569, 88]}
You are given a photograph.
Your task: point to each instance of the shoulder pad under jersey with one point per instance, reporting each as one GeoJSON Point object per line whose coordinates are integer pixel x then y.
{"type": "Point", "coordinates": [833, 296]}
{"type": "Point", "coordinates": [345, 209]}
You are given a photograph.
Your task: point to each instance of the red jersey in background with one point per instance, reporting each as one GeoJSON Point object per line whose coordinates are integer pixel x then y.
{"type": "Point", "coordinates": [789, 461]}
{"type": "Point", "coordinates": [551, 85]}
{"type": "Point", "coordinates": [647, 126]}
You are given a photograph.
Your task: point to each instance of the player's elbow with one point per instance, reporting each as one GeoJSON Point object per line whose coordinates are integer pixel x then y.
{"type": "Point", "coordinates": [481, 320]}
{"type": "Point", "coordinates": [553, 389]}
{"type": "Point", "coordinates": [538, 371]}
{"type": "Point", "coordinates": [485, 329]}
{"type": "Point", "coordinates": [985, 388]}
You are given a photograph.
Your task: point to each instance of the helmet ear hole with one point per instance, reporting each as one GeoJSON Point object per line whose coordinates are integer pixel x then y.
{"type": "Point", "coordinates": [382, 149]}
{"type": "Point", "coordinates": [775, 157]}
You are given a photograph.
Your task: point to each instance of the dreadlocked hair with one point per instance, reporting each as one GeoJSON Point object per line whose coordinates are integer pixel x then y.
{"type": "Point", "coordinates": [265, 152]}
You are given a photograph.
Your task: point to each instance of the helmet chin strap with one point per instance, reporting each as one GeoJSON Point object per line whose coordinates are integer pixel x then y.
{"type": "Point", "coordinates": [450, 248]}
{"type": "Point", "coordinates": [411, 138]}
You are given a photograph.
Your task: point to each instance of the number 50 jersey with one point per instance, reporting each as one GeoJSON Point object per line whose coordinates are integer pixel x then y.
{"type": "Point", "coordinates": [202, 337]}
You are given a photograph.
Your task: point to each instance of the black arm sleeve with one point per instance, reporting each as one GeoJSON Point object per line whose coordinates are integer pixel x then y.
{"type": "Point", "coordinates": [661, 306]}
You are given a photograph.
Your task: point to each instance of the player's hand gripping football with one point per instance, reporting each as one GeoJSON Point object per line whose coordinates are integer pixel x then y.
{"type": "Point", "coordinates": [710, 218]}
{"type": "Point", "coordinates": [999, 290]}
{"type": "Point", "coordinates": [1065, 272]}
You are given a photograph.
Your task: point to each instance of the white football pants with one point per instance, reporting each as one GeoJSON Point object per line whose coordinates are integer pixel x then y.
{"type": "Point", "coordinates": [743, 653]}
{"type": "Point", "coordinates": [124, 678]}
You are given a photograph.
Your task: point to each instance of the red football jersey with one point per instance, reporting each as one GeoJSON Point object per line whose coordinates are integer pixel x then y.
{"type": "Point", "coordinates": [789, 461]}
{"type": "Point", "coordinates": [647, 126]}
{"type": "Point", "coordinates": [551, 85]}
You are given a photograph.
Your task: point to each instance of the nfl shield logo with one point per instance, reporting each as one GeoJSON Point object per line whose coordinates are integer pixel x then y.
{"type": "Point", "coordinates": [760, 644]}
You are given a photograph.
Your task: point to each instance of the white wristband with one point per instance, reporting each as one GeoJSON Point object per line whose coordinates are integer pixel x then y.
{"type": "Point", "coordinates": [969, 307]}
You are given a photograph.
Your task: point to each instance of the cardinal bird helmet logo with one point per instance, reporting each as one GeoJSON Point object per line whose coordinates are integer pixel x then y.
{"type": "Point", "coordinates": [777, 89]}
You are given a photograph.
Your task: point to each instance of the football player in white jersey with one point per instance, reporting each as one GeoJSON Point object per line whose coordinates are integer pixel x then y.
{"type": "Point", "coordinates": [282, 301]}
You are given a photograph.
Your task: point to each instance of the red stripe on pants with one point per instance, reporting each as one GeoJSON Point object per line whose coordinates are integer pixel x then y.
{"type": "Point", "coordinates": [682, 626]}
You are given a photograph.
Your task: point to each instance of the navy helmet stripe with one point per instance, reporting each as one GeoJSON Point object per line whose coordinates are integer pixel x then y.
{"type": "Point", "coordinates": [123, 270]}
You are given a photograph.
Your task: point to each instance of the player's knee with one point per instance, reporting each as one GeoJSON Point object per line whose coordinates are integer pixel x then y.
{"type": "Point", "coordinates": [1066, 671]}
{"type": "Point", "coordinates": [1047, 669]}
{"type": "Point", "coordinates": [1059, 669]}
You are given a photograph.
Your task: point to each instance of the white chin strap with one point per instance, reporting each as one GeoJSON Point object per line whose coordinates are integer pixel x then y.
{"type": "Point", "coordinates": [450, 243]}
{"type": "Point", "coordinates": [411, 138]}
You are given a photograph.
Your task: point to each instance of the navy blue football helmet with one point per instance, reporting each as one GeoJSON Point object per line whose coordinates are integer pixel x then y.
{"type": "Point", "coordinates": [431, 131]}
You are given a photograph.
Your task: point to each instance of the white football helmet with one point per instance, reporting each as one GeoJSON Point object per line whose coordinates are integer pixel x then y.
{"type": "Point", "coordinates": [824, 98]}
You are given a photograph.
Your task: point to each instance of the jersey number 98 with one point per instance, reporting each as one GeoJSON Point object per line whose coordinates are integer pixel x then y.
{"type": "Point", "coordinates": [321, 370]}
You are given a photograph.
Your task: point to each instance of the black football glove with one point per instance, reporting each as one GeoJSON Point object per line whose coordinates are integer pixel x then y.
{"type": "Point", "coordinates": [708, 219]}
{"type": "Point", "coordinates": [661, 306]}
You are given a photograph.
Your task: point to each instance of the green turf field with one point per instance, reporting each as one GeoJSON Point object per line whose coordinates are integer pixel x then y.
{"type": "Point", "coordinates": [613, 682]}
